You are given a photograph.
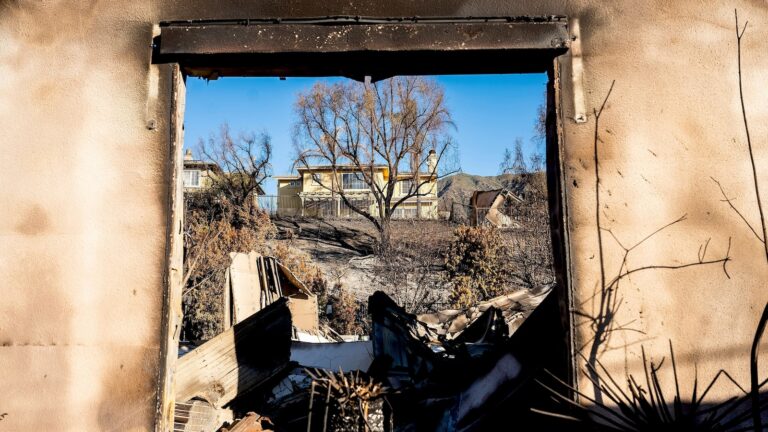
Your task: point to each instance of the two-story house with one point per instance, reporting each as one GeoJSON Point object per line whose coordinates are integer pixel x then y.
{"type": "Point", "coordinates": [314, 191]}
{"type": "Point", "coordinates": [199, 175]}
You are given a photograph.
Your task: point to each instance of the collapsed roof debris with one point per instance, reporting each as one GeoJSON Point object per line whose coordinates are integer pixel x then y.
{"type": "Point", "coordinates": [460, 378]}
{"type": "Point", "coordinates": [449, 370]}
{"type": "Point", "coordinates": [514, 308]}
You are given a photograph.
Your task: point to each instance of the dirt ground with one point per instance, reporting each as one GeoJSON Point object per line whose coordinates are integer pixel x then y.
{"type": "Point", "coordinates": [343, 248]}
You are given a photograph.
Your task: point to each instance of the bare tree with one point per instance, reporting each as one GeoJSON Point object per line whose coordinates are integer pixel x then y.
{"type": "Point", "coordinates": [536, 162]}
{"type": "Point", "coordinates": [244, 161]}
{"type": "Point", "coordinates": [514, 162]}
{"type": "Point", "coordinates": [220, 219]}
{"type": "Point", "coordinates": [399, 124]}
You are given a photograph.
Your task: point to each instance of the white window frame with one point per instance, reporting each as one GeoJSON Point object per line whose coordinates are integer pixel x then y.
{"type": "Point", "coordinates": [357, 181]}
{"type": "Point", "coordinates": [188, 175]}
{"type": "Point", "coordinates": [406, 184]}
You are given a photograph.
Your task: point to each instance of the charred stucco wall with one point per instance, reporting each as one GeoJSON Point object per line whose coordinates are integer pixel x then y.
{"type": "Point", "coordinates": [85, 139]}
{"type": "Point", "coordinates": [83, 230]}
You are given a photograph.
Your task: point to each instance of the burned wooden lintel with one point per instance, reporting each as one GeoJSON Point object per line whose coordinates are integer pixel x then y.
{"type": "Point", "coordinates": [239, 359]}
{"type": "Point", "coordinates": [356, 48]}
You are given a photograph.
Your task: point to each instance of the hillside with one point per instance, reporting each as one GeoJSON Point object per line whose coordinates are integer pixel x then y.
{"type": "Point", "coordinates": [458, 188]}
{"type": "Point", "coordinates": [455, 191]}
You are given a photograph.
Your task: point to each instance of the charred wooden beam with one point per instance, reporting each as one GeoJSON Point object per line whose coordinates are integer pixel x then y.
{"type": "Point", "coordinates": [213, 49]}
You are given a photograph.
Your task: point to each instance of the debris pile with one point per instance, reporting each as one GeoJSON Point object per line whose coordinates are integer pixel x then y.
{"type": "Point", "coordinates": [451, 370]}
{"type": "Point", "coordinates": [463, 370]}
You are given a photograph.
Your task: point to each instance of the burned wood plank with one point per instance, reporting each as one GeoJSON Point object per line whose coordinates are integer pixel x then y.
{"type": "Point", "coordinates": [252, 48]}
{"type": "Point", "coordinates": [213, 38]}
{"type": "Point", "coordinates": [244, 287]}
{"type": "Point", "coordinates": [239, 359]}
{"type": "Point", "coordinates": [255, 281]}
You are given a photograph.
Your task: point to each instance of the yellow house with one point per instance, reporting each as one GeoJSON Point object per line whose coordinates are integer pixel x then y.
{"type": "Point", "coordinates": [314, 192]}
{"type": "Point", "coordinates": [199, 175]}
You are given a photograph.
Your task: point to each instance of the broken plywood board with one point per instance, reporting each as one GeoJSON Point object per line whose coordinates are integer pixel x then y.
{"type": "Point", "coordinates": [239, 359]}
{"type": "Point", "coordinates": [244, 286]}
{"type": "Point", "coordinates": [255, 281]}
{"type": "Point", "coordinates": [303, 304]}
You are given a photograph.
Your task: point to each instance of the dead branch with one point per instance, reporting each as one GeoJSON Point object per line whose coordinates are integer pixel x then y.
{"type": "Point", "coordinates": [739, 36]}
{"type": "Point", "coordinates": [733, 207]}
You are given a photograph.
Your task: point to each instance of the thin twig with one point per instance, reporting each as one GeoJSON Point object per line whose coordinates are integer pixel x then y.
{"type": "Point", "coordinates": [733, 207]}
{"type": "Point", "coordinates": [598, 113]}
{"type": "Point", "coordinates": [739, 35]}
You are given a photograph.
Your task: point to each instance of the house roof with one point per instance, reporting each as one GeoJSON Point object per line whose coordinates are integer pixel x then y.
{"type": "Point", "coordinates": [201, 165]}
{"type": "Point", "coordinates": [340, 167]}
{"type": "Point", "coordinates": [351, 167]}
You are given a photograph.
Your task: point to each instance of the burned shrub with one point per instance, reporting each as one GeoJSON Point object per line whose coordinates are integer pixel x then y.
{"type": "Point", "coordinates": [475, 265]}
{"type": "Point", "coordinates": [411, 271]}
{"type": "Point", "coordinates": [348, 315]}
{"type": "Point", "coordinates": [214, 227]}
{"type": "Point", "coordinates": [301, 265]}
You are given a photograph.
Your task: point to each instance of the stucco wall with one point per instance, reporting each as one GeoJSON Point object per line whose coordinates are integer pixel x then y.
{"type": "Point", "coordinates": [85, 198]}
{"type": "Point", "coordinates": [83, 230]}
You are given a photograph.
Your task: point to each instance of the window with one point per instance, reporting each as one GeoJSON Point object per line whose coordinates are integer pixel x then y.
{"type": "Point", "coordinates": [404, 213]}
{"type": "Point", "coordinates": [353, 181]}
{"type": "Point", "coordinates": [407, 186]}
{"type": "Point", "coordinates": [294, 183]}
{"type": "Point", "coordinates": [191, 178]}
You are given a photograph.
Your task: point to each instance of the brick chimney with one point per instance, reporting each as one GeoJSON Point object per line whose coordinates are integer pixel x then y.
{"type": "Point", "coordinates": [188, 155]}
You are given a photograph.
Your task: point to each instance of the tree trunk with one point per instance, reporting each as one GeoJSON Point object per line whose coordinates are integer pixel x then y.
{"type": "Point", "coordinates": [384, 236]}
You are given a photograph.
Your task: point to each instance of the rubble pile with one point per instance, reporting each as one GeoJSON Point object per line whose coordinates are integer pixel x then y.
{"type": "Point", "coordinates": [451, 370]}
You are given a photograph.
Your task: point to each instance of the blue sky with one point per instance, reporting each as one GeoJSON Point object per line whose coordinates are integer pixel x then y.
{"type": "Point", "coordinates": [489, 111]}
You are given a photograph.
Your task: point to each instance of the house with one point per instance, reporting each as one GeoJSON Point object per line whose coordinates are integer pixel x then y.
{"type": "Point", "coordinates": [200, 175]}
{"type": "Point", "coordinates": [488, 207]}
{"type": "Point", "coordinates": [314, 191]}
